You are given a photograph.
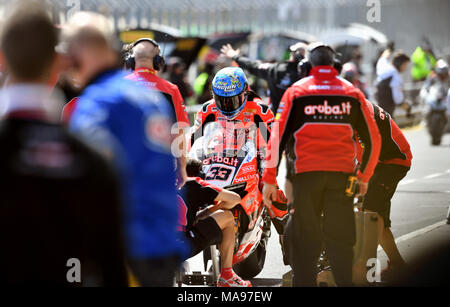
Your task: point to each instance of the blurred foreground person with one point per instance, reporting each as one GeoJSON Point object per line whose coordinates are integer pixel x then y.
{"type": "Point", "coordinates": [131, 125]}
{"type": "Point", "coordinates": [428, 268]}
{"type": "Point", "coordinates": [60, 200]}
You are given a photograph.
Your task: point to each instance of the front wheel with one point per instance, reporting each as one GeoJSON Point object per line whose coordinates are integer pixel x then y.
{"type": "Point", "coordinates": [252, 265]}
{"type": "Point", "coordinates": [437, 125]}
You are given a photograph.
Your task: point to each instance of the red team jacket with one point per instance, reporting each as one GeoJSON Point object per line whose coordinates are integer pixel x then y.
{"type": "Point", "coordinates": [395, 148]}
{"type": "Point", "coordinates": [316, 121]}
{"type": "Point", "coordinates": [148, 78]}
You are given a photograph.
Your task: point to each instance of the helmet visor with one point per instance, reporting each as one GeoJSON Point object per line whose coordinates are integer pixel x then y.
{"type": "Point", "coordinates": [229, 105]}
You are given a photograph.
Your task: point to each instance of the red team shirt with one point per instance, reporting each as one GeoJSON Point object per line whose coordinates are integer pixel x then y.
{"type": "Point", "coordinates": [148, 78]}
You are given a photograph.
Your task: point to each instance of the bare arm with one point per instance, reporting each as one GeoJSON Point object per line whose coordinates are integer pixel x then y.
{"type": "Point", "coordinates": [228, 199]}
{"type": "Point", "coordinates": [225, 200]}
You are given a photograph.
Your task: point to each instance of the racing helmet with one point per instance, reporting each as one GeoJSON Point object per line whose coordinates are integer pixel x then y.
{"type": "Point", "coordinates": [441, 68]}
{"type": "Point", "coordinates": [230, 91]}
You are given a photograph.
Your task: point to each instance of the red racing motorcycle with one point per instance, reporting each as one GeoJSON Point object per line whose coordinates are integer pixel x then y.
{"type": "Point", "coordinates": [230, 160]}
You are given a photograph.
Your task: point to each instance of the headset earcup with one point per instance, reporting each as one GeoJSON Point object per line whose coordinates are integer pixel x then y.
{"type": "Point", "coordinates": [304, 68]}
{"type": "Point", "coordinates": [158, 63]}
{"type": "Point", "coordinates": [130, 62]}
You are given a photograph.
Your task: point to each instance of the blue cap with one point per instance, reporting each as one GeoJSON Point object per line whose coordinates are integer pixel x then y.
{"type": "Point", "coordinates": [229, 82]}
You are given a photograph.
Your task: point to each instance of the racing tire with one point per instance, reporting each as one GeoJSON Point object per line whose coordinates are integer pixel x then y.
{"type": "Point", "coordinates": [252, 265]}
{"type": "Point", "coordinates": [437, 124]}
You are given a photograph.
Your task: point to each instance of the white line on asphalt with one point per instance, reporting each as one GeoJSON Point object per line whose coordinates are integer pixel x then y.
{"type": "Point", "coordinates": [417, 233]}
{"type": "Point", "coordinates": [433, 176]}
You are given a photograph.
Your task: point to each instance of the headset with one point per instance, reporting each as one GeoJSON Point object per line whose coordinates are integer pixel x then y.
{"type": "Point", "coordinates": [130, 61]}
{"type": "Point", "coordinates": [305, 67]}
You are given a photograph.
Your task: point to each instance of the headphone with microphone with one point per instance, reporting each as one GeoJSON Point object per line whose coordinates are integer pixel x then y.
{"type": "Point", "coordinates": [130, 61]}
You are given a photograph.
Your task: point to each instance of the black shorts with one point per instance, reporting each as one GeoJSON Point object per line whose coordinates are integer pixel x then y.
{"type": "Point", "coordinates": [381, 189]}
{"type": "Point", "coordinates": [204, 234]}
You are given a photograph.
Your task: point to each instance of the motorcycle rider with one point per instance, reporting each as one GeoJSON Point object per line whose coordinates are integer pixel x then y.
{"type": "Point", "coordinates": [208, 228]}
{"type": "Point", "coordinates": [234, 102]}
{"type": "Point", "coordinates": [434, 93]}
{"type": "Point", "coordinates": [317, 118]}
{"type": "Point", "coordinates": [279, 76]}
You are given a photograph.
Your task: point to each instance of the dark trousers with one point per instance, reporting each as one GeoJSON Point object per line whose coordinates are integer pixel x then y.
{"type": "Point", "coordinates": [318, 193]}
{"type": "Point", "coordinates": [155, 272]}
{"type": "Point", "coordinates": [382, 187]}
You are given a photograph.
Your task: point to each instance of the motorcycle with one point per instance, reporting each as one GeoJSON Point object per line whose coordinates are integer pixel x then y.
{"type": "Point", "coordinates": [230, 160]}
{"type": "Point", "coordinates": [435, 98]}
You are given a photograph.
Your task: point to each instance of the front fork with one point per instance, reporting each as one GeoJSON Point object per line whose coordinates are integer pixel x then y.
{"type": "Point", "coordinates": [267, 223]}
{"type": "Point", "coordinates": [266, 228]}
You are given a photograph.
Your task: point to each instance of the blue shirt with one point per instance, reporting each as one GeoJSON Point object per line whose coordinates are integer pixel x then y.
{"type": "Point", "coordinates": [132, 124]}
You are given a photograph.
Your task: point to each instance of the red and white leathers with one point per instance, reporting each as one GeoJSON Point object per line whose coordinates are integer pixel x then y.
{"type": "Point", "coordinates": [316, 122]}
{"type": "Point", "coordinates": [148, 77]}
{"type": "Point", "coordinates": [254, 114]}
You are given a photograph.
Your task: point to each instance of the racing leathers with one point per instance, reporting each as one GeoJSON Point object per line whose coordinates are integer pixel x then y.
{"type": "Point", "coordinates": [254, 115]}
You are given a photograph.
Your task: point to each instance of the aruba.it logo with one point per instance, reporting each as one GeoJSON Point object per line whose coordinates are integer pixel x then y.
{"type": "Point", "coordinates": [325, 109]}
